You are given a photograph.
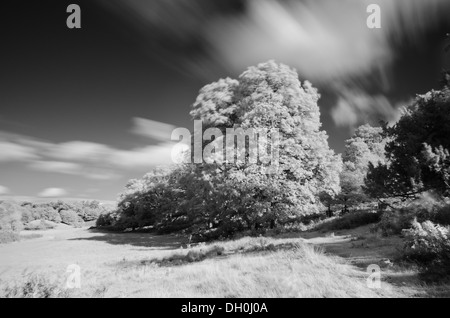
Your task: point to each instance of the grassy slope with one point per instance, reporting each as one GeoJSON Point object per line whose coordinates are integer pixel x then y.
{"type": "Point", "coordinates": [129, 265]}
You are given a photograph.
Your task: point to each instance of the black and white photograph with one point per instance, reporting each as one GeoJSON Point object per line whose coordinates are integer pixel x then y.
{"type": "Point", "coordinates": [225, 153]}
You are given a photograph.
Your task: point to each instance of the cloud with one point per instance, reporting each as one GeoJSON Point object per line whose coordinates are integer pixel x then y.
{"type": "Point", "coordinates": [71, 168]}
{"type": "Point", "coordinates": [16, 152]}
{"type": "Point", "coordinates": [91, 160]}
{"type": "Point", "coordinates": [53, 193]}
{"type": "Point", "coordinates": [79, 150]}
{"type": "Point", "coordinates": [355, 106]}
{"type": "Point", "coordinates": [325, 40]}
{"type": "Point", "coordinates": [145, 157]}
{"type": "Point", "coordinates": [318, 38]}
{"type": "Point", "coordinates": [152, 129]}
{"type": "Point", "coordinates": [56, 166]}
{"type": "Point", "coordinates": [4, 190]}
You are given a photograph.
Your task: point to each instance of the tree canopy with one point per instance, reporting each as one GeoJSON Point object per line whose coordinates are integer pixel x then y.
{"type": "Point", "coordinates": [418, 151]}
{"type": "Point", "coordinates": [222, 195]}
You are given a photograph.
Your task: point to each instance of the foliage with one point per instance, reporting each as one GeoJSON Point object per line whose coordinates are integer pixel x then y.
{"type": "Point", "coordinates": [108, 219]}
{"type": "Point", "coordinates": [40, 225]}
{"type": "Point", "coordinates": [366, 146]}
{"type": "Point", "coordinates": [442, 215]}
{"type": "Point", "coordinates": [428, 244]}
{"type": "Point", "coordinates": [10, 216]}
{"type": "Point", "coordinates": [34, 286]}
{"type": "Point", "coordinates": [349, 221]}
{"type": "Point", "coordinates": [393, 222]}
{"type": "Point", "coordinates": [426, 207]}
{"type": "Point", "coordinates": [8, 236]}
{"type": "Point", "coordinates": [217, 198]}
{"type": "Point", "coordinates": [70, 217]}
{"type": "Point", "coordinates": [417, 153]}
{"type": "Point", "coordinates": [46, 213]}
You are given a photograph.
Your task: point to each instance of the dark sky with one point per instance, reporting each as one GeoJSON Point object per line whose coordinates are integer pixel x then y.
{"type": "Point", "coordinates": [66, 94]}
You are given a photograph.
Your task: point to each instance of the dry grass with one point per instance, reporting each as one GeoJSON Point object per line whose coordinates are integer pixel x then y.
{"type": "Point", "coordinates": [141, 265]}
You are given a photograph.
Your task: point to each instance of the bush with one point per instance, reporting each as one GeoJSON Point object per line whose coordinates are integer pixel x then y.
{"type": "Point", "coordinates": [424, 209]}
{"type": "Point", "coordinates": [108, 220]}
{"type": "Point", "coordinates": [394, 222]}
{"type": "Point", "coordinates": [350, 221]}
{"type": "Point", "coordinates": [46, 213]}
{"type": "Point", "coordinates": [91, 214]}
{"type": "Point", "coordinates": [10, 217]}
{"type": "Point", "coordinates": [443, 215]}
{"type": "Point", "coordinates": [40, 225]}
{"type": "Point", "coordinates": [428, 245]}
{"type": "Point", "coordinates": [34, 287]}
{"type": "Point", "coordinates": [8, 237]}
{"type": "Point", "coordinates": [27, 215]}
{"type": "Point", "coordinates": [70, 217]}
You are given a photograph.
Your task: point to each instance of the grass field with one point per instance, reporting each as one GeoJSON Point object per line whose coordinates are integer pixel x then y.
{"type": "Point", "coordinates": [145, 265]}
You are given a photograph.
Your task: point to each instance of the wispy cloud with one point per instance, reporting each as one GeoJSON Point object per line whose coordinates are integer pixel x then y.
{"type": "Point", "coordinates": [78, 151]}
{"type": "Point", "coordinates": [152, 129]}
{"type": "Point", "coordinates": [88, 159]}
{"type": "Point", "coordinates": [52, 193]}
{"type": "Point", "coordinates": [15, 152]}
{"type": "Point", "coordinates": [56, 166]}
{"type": "Point", "coordinates": [355, 106]}
{"type": "Point", "coordinates": [76, 169]}
{"type": "Point", "coordinates": [325, 40]}
{"type": "Point", "coordinates": [144, 157]}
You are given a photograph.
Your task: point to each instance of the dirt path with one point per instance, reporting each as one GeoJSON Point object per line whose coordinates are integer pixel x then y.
{"type": "Point", "coordinates": [362, 248]}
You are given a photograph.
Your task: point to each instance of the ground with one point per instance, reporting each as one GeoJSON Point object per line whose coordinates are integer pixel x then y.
{"type": "Point", "coordinates": [289, 265]}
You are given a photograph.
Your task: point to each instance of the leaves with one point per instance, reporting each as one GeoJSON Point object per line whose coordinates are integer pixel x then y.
{"type": "Point", "coordinates": [417, 153]}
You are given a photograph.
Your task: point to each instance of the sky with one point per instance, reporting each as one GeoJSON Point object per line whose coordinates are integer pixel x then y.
{"type": "Point", "coordinates": [84, 110]}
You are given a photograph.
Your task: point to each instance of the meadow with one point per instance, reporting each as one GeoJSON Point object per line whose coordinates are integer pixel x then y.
{"type": "Point", "coordinates": [305, 264]}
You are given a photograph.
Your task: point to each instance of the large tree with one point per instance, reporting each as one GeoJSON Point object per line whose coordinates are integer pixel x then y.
{"type": "Point", "coordinates": [269, 96]}
{"type": "Point", "coordinates": [418, 154]}
{"type": "Point", "coordinates": [219, 197]}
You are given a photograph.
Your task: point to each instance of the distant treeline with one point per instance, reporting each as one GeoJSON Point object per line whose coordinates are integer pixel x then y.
{"type": "Point", "coordinates": [16, 216]}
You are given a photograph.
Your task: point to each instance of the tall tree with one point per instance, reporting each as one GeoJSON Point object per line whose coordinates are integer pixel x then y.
{"type": "Point", "coordinates": [417, 155]}
{"type": "Point", "coordinates": [270, 96]}
{"type": "Point", "coordinates": [220, 196]}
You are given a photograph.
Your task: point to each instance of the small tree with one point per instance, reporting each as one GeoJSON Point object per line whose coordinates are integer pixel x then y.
{"type": "Point", "coordinates": [367, 146]}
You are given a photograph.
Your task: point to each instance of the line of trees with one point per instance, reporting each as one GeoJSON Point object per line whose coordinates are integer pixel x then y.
{"type": "Point", "coordinates": [218, 199]}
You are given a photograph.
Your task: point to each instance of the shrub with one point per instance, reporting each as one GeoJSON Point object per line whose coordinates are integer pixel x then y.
{"type": "Point", "coordinates": [428, 245]}
{"type": "Point", "coordinates": [8, 237]}
{"type": "Point", "coordinates": [10, 217]}
{"type": "Point", "coordinates": [70, 217]}
{"type": "Point", "coordinates": [192, 256]}
{"type": "Point", "coordinates": [46, 213]}
{"type": "Point", "coordinates": [350, 221]}
{"type": "Point", "coordinates": [424, 209]}
{"type": "Point", "coordinates": [35, 287]}
{"type": "Point", "coordinates": [91, 214]}
{"type": "Point", "coordinates": [394, 222]}
{"type": "Point", "coordinates": [108, 219]}
{"type": "Point", "coordinates": [40, 225]}
{"type": "Point", "coordinates": [104, 220]}
{"type": "Point", "coordinates": [443, 215]}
